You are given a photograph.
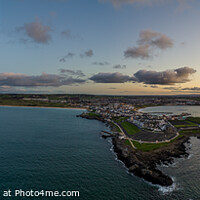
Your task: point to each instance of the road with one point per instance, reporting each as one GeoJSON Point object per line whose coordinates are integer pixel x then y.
{"type": "Point", "coordinates": [125, 136]}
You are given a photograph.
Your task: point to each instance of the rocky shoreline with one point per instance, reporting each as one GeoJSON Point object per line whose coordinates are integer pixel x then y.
{"type": "Point", "coordinates": [86, 116]}
{"type": "Point", "coordinates": [144, 164]}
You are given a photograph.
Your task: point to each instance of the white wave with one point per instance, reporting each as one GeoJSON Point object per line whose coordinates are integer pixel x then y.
{"type": "Point", "coordinates": [190, 156]}
{"type": "Point", "coordinates": [176, 161]}
{"type": "Point", "coordinates": [166, 190]}
{"type": "Point", "coordinates": [167, 164]}
{"type": "Point", "coordinates": [112, 150]}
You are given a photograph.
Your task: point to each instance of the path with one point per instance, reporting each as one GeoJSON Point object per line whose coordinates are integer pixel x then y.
{"type": "Point", "coordinates": [157, 142]}
{"type": "Point", "coordinates": [124, 134]}
{"type": "Point", "coordinates": [141, 141]}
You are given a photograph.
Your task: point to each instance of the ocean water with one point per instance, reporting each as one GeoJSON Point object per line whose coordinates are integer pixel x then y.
{"type": "Point", "coordinates": [52, 149]}
{"type": "Point", "coordinates": [193, 110]}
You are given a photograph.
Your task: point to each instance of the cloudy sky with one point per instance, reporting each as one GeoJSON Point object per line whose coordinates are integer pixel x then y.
{"type": "Point", "coordinates": [124, 47]}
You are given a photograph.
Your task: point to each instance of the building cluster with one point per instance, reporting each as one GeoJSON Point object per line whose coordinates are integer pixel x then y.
{"type": "Point", "coordinates": [113, 110]}
{"type": "Point", "coordinates": [115, 106]}
{"type": "Point", "coordinates": [156, 123]}
{"type": "Point", "coordinates": [95, 100]}
{"type": "Point", "coordinates": [148, 121]}
{"type": "Point", "coordinates": [45, 100]}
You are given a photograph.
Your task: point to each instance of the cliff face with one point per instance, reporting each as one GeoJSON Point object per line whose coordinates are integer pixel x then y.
{"type": "Point", "coordinates": [143, 164]}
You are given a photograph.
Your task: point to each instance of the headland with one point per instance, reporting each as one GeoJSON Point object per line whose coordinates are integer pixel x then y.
{"type": "Point", "coordinates": [143, 147]}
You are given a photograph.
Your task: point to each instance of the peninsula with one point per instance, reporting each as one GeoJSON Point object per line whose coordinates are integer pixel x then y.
{"type": "Point", "coordinates": [143, 141]}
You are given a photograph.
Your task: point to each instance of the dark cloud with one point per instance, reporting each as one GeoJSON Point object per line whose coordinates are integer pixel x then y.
{"type": "Point", "coordinates": [172, 88]}
{"type": "Point", "coordinates": [69, 55]}
{"type": "Point", "coordinates": [192, 89]}
{"type": "Point", "coordinates": [77, 73]}
{"type": "Point", "coordinates": [125, 91]}
{"type": "Point", "coordinates": [101, 63]}
{"type": "Point", "coordinates": [138, 52]}
{"type": "Point", "coordinates": [88, 53]}
{"type": "Point", "coordinates": [162, 42]}
{"type": "Point", "coordinates": [156, 39]}
{"type": "Point", "coordinates": [119, 67]}
{"type": "Point", "coordinates": [111, 78]}
{"type": "Point", "coordinates": [189, 89]}
{"type": "Point", "coordinates": [148, 41]}
{"type": "Point", "coordinates": [67, 34]}
{"type": "Point", "coordinates": [168, 77]}
{"type": "Point", "coordinates": [45, 80]}
{"type": "Point", "coordinates": [154, 86]}
{"type": "Point", "coordinates": [38, 32]}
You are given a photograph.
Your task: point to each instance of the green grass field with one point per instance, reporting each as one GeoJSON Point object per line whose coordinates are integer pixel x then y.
{"type": "Point", "coordinates": [190, 131]}
{"type": "Point", "coordinates": [130, 128]}
{"type": "Point", "coordinates": [92, 114]}
{"type": "Point", "coordinates": [187, 124]}
{"type": "Point", "coordinates": [194, 119]}
{"type": "Point", "coordinates": [119, 119]}
{"type": "Point", "coordinates": [146, 147]}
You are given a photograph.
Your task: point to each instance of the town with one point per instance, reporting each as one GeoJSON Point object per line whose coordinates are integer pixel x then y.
{"type": "Point", "coordinates": [122, 113]}
{"type": "Point", "coordinates": [136, 125]}
{"type": "Point", "coordinates": [87, 101]}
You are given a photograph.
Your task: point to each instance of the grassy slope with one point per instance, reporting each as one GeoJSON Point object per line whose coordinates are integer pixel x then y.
{"type": "Point", "coordinates": [194, 119]}
{"type": "Point", "coordinates": [116, 127]}
{"type": "Point", "coordinates": [119, 119]}
{"type": "Point", "coordinates": [149, 146]}
{"type": "Point", "coordinates": [130, 128]}
{"type": "Point", "coordinates": [190, 131]}
{"type": "Point", "coordinates": [93, 114]}
{"type": "Point", "coordinates": [186, 123]}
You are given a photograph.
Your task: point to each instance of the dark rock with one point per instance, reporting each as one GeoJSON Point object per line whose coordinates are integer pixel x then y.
{"type": "Point", "coordinates": [144, 164]}
{"type": "Point", "coordinates": [91, 117]}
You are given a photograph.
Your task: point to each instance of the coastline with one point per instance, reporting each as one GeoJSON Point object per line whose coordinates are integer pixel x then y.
{"type": "Point", "coordinates": [144, 164]}
{"type": "Point", "coordinates": [72, 108]}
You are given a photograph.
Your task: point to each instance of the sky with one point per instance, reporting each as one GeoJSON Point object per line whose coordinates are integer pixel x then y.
{"type": "Point", "coordinates": [112, 47]}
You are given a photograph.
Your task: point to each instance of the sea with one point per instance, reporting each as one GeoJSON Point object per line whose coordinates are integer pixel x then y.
{"type": "Point", "coordinates": [51, 149]}
{"type": "Point", "coordinates": [193, 110]}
